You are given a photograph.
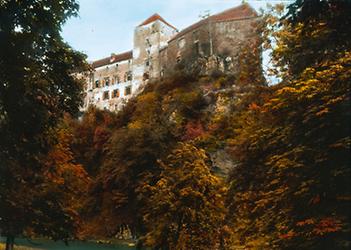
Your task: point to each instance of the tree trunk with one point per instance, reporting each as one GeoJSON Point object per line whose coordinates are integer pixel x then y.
{"type": "Point", "coordinates": [9, 242]}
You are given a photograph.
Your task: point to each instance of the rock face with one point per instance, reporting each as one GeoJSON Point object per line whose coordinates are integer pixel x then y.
{"type": "Point", "coordinates": [222, 162]}
{"type": "Point", "coordinates": [213, 43]}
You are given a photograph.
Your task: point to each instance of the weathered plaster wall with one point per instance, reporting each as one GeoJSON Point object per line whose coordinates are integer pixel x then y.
{"type": "Point", "coordinates": [148, 39]}
{"type": "Point", "coordinates": [117, 76]}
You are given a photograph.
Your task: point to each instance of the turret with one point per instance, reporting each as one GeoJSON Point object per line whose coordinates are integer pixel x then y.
{"type": "Point", "coordinates": [149, 37]}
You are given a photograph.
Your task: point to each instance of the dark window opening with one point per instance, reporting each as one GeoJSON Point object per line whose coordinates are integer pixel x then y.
{"type": "Point", "coordinates": [127, 90]}
{"type": "Point", "coordinates": [105, 95]}
{"type": "Point", "coordinates": [117, 80]}
{"type": "Point", "coordinates": [196, 36]}
{"type": "Point", "coordinates": [196, 48]}
{"type": "Point", "coordinates": [115, 93]}
{"type": "Point", "coordinates": [179, 59]}
{"type": "Point", "coordinates": [107, 81]}
{"type": "Point", "coordinates": [146, 76]}
{"type": "Point", "coordinates": [129, 76]}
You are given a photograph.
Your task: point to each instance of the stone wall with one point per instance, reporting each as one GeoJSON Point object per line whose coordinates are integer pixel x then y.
{"type": "Point", "coordinates": [192, 49]}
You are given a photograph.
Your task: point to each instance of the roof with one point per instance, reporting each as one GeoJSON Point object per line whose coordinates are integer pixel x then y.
{"type": "Point", "coordinates": [154, 18]}
{"type": "Point", "coordinates": [113, 59]}
{"type": "Point", "coordinates": [242, 11]}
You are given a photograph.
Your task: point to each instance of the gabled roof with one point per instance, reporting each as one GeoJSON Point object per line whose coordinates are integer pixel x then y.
{"type": "Point", "coordinates": [113, 59]}
{"type": "Point", "coordinates": [242, 11]}
{"type": "Point", "coordinates": [154, 18]}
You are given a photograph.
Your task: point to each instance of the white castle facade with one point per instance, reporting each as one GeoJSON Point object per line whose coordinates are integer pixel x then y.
{"type": "Point", "coordinates": [212, 43]}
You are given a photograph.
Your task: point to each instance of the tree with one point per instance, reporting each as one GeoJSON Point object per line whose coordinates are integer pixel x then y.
{"type": "Point", "coordinates": [290, 187]}
{"type": "Point", "coordinates": [313, 30]}
{"type": "Point", "coordinates": [90, 135]}
{"type": "Point", "coordinates": [37, 86]}
{"type": "Point", "coordinates": [140, 136]}
{"type": "Point", "coordinates": [186, 204]}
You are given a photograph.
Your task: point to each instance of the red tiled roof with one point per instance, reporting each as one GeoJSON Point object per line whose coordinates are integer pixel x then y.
{"type": "Point", "coordinates": [154, 18]}
{"type": "Point", "coordinates": [113, 59]}
{"type": "Point", "coordinates": [240, 12]}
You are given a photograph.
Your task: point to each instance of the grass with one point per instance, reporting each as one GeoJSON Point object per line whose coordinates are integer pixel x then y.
{"type": "Point", "coordinates": [2, 246]}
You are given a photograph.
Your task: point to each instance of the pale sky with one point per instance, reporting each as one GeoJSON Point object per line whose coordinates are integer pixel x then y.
{"type": "Point", "coordinates": [106, 26]}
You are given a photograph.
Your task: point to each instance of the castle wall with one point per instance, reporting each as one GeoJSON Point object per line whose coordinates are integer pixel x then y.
{"type": "Point", "coordinates": [109, 85]}
{"type": "Point", "coordinates": [192, 49]}
{"type": "Point", "coordinates": [148, 40]}
{"type": "Point", "coordinates": [238, 34]}
{"type": "Point", "coordinates": [210, 44]}
{"type": "Point", "coordinates": [187, 48]}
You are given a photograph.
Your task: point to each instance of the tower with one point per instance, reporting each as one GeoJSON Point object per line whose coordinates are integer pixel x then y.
{"type": "Point", "coordinates": [149, 37]}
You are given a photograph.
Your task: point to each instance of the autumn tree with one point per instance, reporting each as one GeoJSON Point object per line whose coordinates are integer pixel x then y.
{"type": "Point", "coordinates": [140, 136]}
{"type": "Point", "coordinates": [186, 205]}
{"type": "Point", "coordinates": [290, 187]}
{"type": "Point", "coordinates": [65, 185]}
{"type": "Point", "coordinates": [36, 87]}
{"type": "Point", "coordinates": [90, 135]}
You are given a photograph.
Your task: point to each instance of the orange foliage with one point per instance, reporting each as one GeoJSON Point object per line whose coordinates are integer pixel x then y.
{"type": "Point", "coordinates": [193, 130]}
{"type": "Point", "coordinates": [327, 225]}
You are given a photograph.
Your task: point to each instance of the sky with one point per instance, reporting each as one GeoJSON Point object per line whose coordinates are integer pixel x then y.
{"type": "Point", "coordinates": [106, 26]}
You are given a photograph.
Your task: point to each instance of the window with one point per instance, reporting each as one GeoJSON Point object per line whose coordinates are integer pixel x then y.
{"type": "Point", "coordinates": [107, 81]}
{"type": "Point", "coordinates": [196, 36]}
{"type": "Point", "coordinates": [115, 93]}
{"type": "Point", "coordinates": [97, 83]}
{"type": "Point", "coordinates": [117, 80]}
{"type": "Point", "coordinates": [154, 28]}
{"type": "Point", "coordinates": [197, 48]}
{"type": "Point", "coordinates": [147, 63]}
{"type": "Point", "coordinates": [105, 95]}
{"type": "Point", "coordinates": [179, 59]}
{"type": "Point", "coordinates": [181, 43]}
{"type": "Point", "coordinates": [146, 76]}
{"type": "Point", "coordinates": [129, 76]}
{"type": "Point", "coordinates": [128, 90]}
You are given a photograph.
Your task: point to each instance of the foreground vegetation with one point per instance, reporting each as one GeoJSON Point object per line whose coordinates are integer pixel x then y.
{"type": "Point", "coordinates": [215, 162]}
{"type": "Point", "coordinates": [2, 246]}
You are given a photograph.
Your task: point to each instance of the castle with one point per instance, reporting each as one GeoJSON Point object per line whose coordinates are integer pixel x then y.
{"type": "Point", "coordinates": [210, 44]}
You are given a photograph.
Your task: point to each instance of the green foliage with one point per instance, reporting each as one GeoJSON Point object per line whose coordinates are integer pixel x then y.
{"type": "Point", "coordinates": [36, 88]}
{"type": "Point", "coordinates": [185, 208]}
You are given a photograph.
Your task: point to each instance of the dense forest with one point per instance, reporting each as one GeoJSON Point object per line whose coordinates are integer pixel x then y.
{"type": "Point", "coordinates": [224, 161]}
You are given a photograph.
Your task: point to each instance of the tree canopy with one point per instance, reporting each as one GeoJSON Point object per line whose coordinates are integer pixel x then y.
{"type": "Point", "coordinates": [37, 86]}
